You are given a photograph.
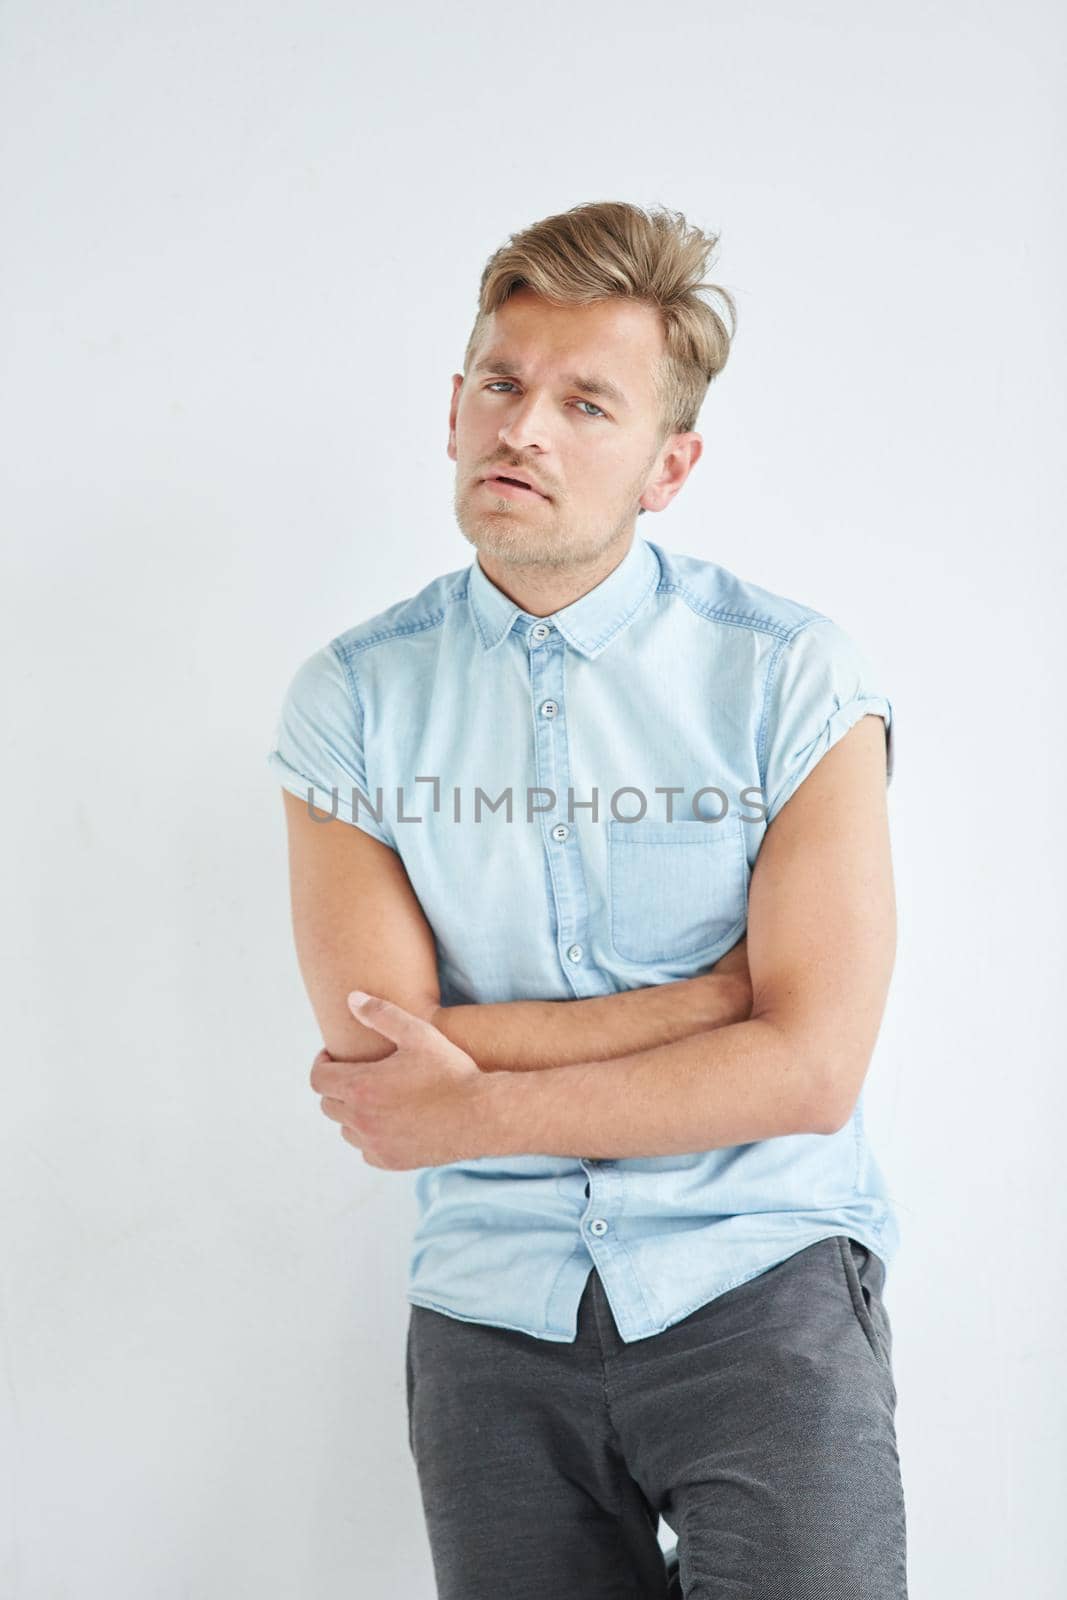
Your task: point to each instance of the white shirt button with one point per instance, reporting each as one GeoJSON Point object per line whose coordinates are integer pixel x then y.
{"type": "Point", "coordinates": [541, 631]}
{"type": "Point", "coordinates": [574, 953]}
{"type": "Point", "coordinates": [549, 708]}
{"type": "Point", "coordinates": [598, 1226]}
{"type": "Point", "coordinates": [560, 831]}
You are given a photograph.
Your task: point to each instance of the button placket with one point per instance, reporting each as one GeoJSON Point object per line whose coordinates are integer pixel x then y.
{"type": "Point", "coordinates": [565, 868]}
{"type": "Point", "coordinates": [604, 1202]}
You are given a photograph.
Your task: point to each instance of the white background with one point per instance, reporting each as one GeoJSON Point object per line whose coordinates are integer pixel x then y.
{"type": "Point", "coordinates": [242, 247]}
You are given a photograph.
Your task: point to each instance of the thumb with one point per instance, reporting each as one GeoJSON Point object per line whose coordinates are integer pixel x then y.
{"type": "Point", "coordinates": [392, 1020]}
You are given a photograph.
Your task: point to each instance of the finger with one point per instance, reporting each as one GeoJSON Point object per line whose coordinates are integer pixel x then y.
{"type": "Point", "coordinates": [385, 1017]}
{"type": "Point", "coordinates": [334, 1109]}
{"type": "Point", "coordinates": [319, 1077]}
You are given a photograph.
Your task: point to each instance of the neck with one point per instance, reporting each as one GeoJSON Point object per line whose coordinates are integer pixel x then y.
{"type": "Point", "coordinates": [541, 589]}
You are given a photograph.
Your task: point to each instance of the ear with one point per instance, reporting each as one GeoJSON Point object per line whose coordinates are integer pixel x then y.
{"type": "Point", "coordinates": [457, 385]}
{"type": "Point", "coordinates": [681, 452]}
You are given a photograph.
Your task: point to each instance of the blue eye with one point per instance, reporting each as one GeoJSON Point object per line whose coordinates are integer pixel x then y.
{"type": "Point", "coordinates": [496, 383]}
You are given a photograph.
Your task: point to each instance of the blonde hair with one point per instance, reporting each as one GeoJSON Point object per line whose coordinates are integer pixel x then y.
{"type": "Point", "coordinates": [610, 248]}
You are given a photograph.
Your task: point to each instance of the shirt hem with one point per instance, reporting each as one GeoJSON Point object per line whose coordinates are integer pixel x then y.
{"type": "Point", "coordinates": [869, 1235]}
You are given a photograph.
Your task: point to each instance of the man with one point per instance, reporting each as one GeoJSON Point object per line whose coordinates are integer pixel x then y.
{"type": "Point", "coordinates": [622, 947]}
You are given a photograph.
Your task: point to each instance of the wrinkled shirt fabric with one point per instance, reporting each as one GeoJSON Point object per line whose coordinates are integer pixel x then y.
{"type": "Point", "coordinates": [579, 801]}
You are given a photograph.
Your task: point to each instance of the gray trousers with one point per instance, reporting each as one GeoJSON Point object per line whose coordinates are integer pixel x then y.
{"type": "Point", "coordinates": [760, 1427]}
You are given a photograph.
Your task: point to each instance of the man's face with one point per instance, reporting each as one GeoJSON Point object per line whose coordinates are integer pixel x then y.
{"type": "Point", "coordinates": [562, 396]}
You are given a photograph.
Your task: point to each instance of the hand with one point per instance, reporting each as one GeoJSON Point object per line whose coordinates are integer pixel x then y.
{"type": "Point", "coordinates": [422, 1106]}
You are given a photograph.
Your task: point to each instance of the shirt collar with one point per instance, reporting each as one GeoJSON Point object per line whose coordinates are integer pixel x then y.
{"type": "Point", "coordinates": [589, 623]}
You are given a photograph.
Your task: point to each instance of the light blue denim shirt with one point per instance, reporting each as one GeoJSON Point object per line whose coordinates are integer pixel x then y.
{"type": "Point", "coordinates": [674, 693]}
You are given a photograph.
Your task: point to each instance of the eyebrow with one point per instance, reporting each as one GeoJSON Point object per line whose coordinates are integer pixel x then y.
{"type": "Point", "coordinates": [590, 384]}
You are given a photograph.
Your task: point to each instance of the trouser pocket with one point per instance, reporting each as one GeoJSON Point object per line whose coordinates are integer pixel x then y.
{"type": "Point", "coordinates": [865, 1276]}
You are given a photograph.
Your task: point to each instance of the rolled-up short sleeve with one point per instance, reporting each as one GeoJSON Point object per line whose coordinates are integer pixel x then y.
{"type": "Point", "coordinates": [821, 685]}
{"type": "Point", "coordinates": [318, 743]}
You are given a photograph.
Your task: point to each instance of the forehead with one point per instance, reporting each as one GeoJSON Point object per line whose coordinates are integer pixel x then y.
{"type": "Point", "coordinates": [620, 340]}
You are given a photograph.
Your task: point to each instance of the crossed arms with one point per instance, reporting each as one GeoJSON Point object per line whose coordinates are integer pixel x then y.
{"type": "Point", "coordinates": [776, 1039]}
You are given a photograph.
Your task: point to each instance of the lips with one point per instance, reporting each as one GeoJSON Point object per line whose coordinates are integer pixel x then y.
{"type": "Point", "coordinates": [508, 480]}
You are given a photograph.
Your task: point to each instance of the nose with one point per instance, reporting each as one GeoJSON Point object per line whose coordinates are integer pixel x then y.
{"type": "Point", "coordinates": [526, 427]}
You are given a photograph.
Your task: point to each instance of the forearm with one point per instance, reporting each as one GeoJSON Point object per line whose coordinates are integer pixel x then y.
{"type": "Point", "coordinates": [532, 1035]}
{"type": "Point", "coordinates": [733, 1085]}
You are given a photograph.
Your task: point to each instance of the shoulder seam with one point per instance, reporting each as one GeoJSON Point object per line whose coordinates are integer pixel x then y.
{"type": "Point", "coordinates": [401, 631]}
{"type": "Point", "coordinates": [350, 680]}
{"type": "Point", "coordinates": [772, 668]}
{"type": "Point", "coordinates": [739, 619]}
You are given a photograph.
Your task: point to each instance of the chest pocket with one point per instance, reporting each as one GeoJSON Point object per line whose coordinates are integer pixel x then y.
{"type": "Point", "coordinates": [676, 889]}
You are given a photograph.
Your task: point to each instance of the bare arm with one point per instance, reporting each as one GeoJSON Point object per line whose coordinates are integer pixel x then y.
{"type": "Point", "coordinates": [822, 938]}
{"type": "Point", "coordinates": [357, 923]}
{"type": "Point", "coordinates": [528, 1035]}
